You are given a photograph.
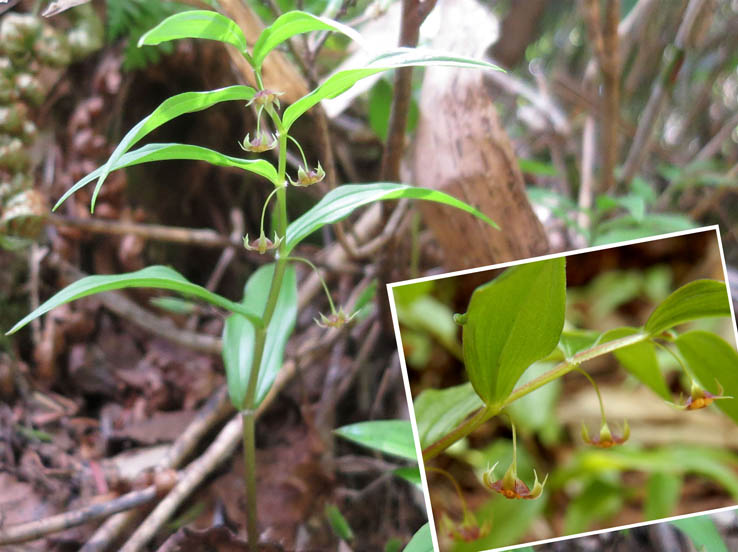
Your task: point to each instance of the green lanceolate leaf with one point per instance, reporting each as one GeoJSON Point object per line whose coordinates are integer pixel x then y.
{"type": "Point", "coordinates": [343, 200]}
{"type": "Point", "coordinates": [402, 57]}
{"type": "Point", "coordinates": [640, 360]}
{"type": "Point", "coordinates": [239, 335]}
{"type": "Point", "coordinates": [421, 541]}
{"type": "Point", "coordinates": [702, 532]}
{"type": "Point", "coordinates": [173, 107]}
{"type": "Point", "coordinates": [410, 474]}
{"type": "Point", "coordinates": [712, 361]}
{"type": "Point", "coordinates": [698, 299]}
{"type": "Point", "coordinates": [393, 437]}
{"type": "Point", "coordinates": [291, 24]}
{"type": "Point", "coordinates": [513, 321]}
{"type": "Point", "coordinates": [167, 152]}
{"type": "Point", "coordinates": [160, 277]}
{"type": "Point", "coordinates": [196, 24]}
{"type": "Point", "coordinates": [338, 523]}
{"type": "Point", "coordinates": [663, 491]}
{"type": "Point", "coordinates": [438, 411]}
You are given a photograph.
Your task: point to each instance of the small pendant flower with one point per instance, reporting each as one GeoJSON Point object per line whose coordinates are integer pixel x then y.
{"type": "Point", "coordinates": [265, 99]}
{"type": "Point", "coordinates": [337, 319]}
{"type": "Point", "coordinates": [510, 486]}
{"type": "Point", "coordinates": [701, 398]}
{"type": "Point", "coordinates": [308, 178]}
{"type": "Point", "coordinates": [262, 244]}
{"type": "Point", "coordinates": [468, 530]}
{"type": "Point", "coordinates": [262, 142]}
{"type": "Point", "coordinates": [606, 438]}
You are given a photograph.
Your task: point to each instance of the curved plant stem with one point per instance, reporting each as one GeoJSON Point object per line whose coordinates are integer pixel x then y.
{"type": "Point", "coordinates": [320, 277]}
{"type": "Point", "coordinates": [597, 390]}
{"type": "Point", "coordinates": [447, 475]}
{"type": "Point", "coordinates": [561, 369]}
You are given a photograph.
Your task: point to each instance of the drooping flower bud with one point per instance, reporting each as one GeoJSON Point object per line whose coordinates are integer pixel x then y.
{"type": "Point", "coordinates": [511, 486]}
{"type": "Point", "coordinates": [308, 178]}
{"type": "Point", "coordinates": [262, 244]}
{"type": "Point", "coordinates": [337, 319]}
{"type": "Point", "coordinates": [261, 142]}
{"type": "Point", "coordinates": [606, 438]}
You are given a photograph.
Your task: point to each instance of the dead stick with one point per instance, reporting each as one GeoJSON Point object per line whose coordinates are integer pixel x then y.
{"type": "Point", "coordinates": [215, 410]}
{"type": "Point", "coordinates": [414, 13]}
{"type": "Point", "coordinates": [203, 237]}
{"type": "Point", "coordinates": [33, 530]}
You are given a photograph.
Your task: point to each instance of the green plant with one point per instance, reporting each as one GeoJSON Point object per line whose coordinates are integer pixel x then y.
{"type": "Point", "coordinates": [515, 345]}
{"type": "Point", "coordinates": [395, 438]}
{"type": "Point", "coordinates": [256, 334]}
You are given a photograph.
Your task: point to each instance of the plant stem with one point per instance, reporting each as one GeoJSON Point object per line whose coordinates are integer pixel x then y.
{"type": "Point", "coordinates": [597, 391]}
{"type": "Point", "coordinates": [561, 369]}
{"type": "Point", "coordinates": [248, 410]}
{"type": "Point", "coordinates": [482, 415]}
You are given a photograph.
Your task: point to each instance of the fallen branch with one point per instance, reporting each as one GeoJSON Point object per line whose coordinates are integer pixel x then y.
{"type": "Point", "coordinates": [37, 529]}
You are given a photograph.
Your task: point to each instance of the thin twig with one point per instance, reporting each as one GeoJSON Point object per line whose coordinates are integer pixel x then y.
{"type": "Point", "coordinates": [605, 45]}
{"type": "Point", "coordinates": [212, 413]}
{"type": "Point", "coordinates": [414, 13]}
{"type": "Point", "coordinates": [201, 237]}
{"type": "Point", "coordinates": [37, 529]}
{"type": "Point", "coordinates": [716, 142]}
{"type": "Point", "coordinates": [586, 173]}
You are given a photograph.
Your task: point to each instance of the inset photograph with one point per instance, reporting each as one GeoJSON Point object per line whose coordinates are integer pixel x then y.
{"type": "Point", "coordinates": [573, 393]}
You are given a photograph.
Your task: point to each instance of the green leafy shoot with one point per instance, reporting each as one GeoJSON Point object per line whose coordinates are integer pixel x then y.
{"type": "Point", "coordinates": [703, 533]}
{"type": "Point", "coordinates": [166, 152]}
{"type": "Point", "coordinates": [338, 523]}
{"type": "Point", "coordinates": [203, 24]}
{"type": "Point", "coordinates": [393, 437]}
{"type": "Point", "coordinates": [513, 321]}
{"type": "Point", "coordinates": [698, 299]}
{"type": "Point", "coordinates": [402, 57]}
{"type": "Point", "coordinates": [160, 277]}
{"type": "Point", "coordinates": [290, 24]}
{"type": "Point", "coordinates": [343, 200]}
{"type": "Point", "coordinates": [239, 335]}
{"type": "Point", "coordinates": [187, 102]}
{"type": "Point", "coordinates": [640, 360]}
{"type": "Point", "coordinates": [422, 541]}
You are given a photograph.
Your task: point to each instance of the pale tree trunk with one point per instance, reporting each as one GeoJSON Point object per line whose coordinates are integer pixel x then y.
{"type": "Point", "coordinates": [462, 149]}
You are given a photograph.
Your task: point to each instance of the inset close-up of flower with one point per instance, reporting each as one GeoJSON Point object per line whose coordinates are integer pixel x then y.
{"type": "Point", "coordinates": [574, 393]}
